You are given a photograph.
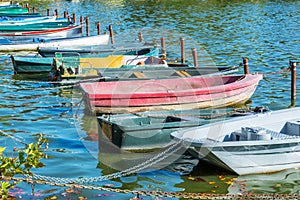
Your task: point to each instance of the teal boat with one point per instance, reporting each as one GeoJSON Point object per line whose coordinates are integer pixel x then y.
{"type": "Point", "coordinates": [12, 9]}
{"type": "Point", "coordinates": [36, 26]}
{"type": "Point", "coordinates": [31, 64]}
{"type": "Point", "coordinates": [38, 64]}
{"type": "Point", "coordinates": [18, 15]}
{"type": "Point", "coordinates": [149, 131]}
{"type": "Point", "coordinates": [106, 50]}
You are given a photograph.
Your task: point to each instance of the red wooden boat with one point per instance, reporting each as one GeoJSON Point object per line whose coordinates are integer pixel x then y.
{"type": "Point", "coordinates": [169, 94]}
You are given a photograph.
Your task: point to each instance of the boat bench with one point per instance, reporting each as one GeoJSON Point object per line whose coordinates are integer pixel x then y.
{"type": "Point", "coordinates": [290, 130]}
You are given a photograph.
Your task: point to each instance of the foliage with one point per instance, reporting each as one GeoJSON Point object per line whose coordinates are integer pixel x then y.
{"type": "Point", "coordinates": [21, 164]}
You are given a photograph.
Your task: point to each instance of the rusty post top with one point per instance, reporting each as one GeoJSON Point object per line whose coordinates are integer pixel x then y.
{"type": "Point", "coordinates": [293, 64]}
{"type": "Point", "coordinates": [246, 66]}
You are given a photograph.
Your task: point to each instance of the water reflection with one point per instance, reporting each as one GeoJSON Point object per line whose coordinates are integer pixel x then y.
{"type": "Point", "coordinates": [284, 182]}
{"type": "Point", "coordinates": [223, 31]}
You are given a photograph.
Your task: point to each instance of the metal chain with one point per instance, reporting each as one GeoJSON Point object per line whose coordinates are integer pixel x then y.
{"type": "Point", "coordinates": [12, 137]}
{"type": "Point", "coordinates": [184, 195]}
{"type": "Point", "coordinates": [161, 156]}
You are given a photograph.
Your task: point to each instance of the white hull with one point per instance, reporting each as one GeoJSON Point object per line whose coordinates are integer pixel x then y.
{"type": "Point", "coordinates": [29, 21]}
{"type": "Point", "coordinates": [18, 36]}
{"type": "Point", "coordinates": [253, 156]}
{"type": "Point", "coordinates": [66, 42]}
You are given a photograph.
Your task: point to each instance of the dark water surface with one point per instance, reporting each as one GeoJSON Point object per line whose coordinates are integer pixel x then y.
{"type": "Point", "coordinates": [223, 32]}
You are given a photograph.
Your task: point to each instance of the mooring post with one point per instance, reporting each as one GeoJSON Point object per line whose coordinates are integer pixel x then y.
{"type": "Point", "coordinates": [81, 24]}
{"type": "Point", "coordinates": [141, 37]}
{"type": "Point", "coordinates": [195, 57]}
{"type": "Point", "coordinates": [246, 65]}
{"type": "Point", "coordinates": [98, 28]}
{"type": "Point", "coordinates": [28, 8]}
{"type": "Point", "coordinates": [182, 50]}
{"type": "Point", "coordinates": [293, 67]}
{"type": "Point", "coordinates": [56, 12]}
{"type": "Point", "coordinates": [87, 26]}
{"type": "Point", "coordinates": [163, 47]}
{"type": "Point", "coordinates": [74, 18]}
{"type": "Point", "coordinates": [48, 12]}
{"type": "Point", "coordinates": [111, 34]}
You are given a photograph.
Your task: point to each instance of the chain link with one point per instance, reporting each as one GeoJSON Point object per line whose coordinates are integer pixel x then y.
{"type": "Point", "coordinates": [161, 156]}
{"type": "Point", "coordinates": [184, 195]}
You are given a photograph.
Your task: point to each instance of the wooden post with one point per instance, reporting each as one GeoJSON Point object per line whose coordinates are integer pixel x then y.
{"type": "Point", "coordinates": [111, 34]}
{"type": "Point", "coordinates": [293, 79]}
{"type": "Point", "coordinates": [81, 23]}
{"type": "Point", "coordinates": [182, 50]}
{"type": "Point", "coordinates": [74, 18]}
{"type": "Point", "coordinates": [87, 26]}
{"type": "Point", "coordinates": [141, 37]}
{"type": "Point", "coordinates": [48, 12]}
{"type": "Point", "coordinates": [28, 8]}
{"type": "Point", "coordinates": [163, 47]}
{"type": "Point", "coordinates": [56, 12]}
{"type": "Point", "coordinates": [195, 57]}
{"type": "Point", "coordinates": [246, 66]}
{"type": "Point", "coordinates": [98, 28]}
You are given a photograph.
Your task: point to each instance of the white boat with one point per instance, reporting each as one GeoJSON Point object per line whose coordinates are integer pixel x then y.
{"type": "Point", "coordinates": [5, 3]}
{"type": "Point", "coordinates": [64, 32]}
{"type": "Point", "coordinates": [261, 143]}
{"type": "Point", "coordinates": [8, 21]}
{"type": "Point", "coordinates": [61, 42]}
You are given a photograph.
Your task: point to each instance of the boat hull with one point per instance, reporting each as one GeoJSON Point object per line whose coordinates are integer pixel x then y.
{"type": "Point", "coordinates": [37, 64]}
{"type": "Point", "coordinates": [169, 94]}
{"type": "Point", "coordinates": [25, 64]}
{"type": "Point", "coordinates": [148, 131]}
{"type": "Point", "coordinates": [254, 159]}
{"type": "Point", "coordinates": [36, 26]}
{"type": "Point", "coordinates": [65, 42]}
{"type": "Point", "coordinates": [244, 156]}
{"type": "Point", "coordinates": [70, 31]}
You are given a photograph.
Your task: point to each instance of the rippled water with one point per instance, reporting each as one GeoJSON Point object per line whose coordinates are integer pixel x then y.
{"type": "Point", "coordinates": [267, 32]}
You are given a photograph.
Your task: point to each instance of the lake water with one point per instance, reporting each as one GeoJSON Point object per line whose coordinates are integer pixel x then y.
{"type": "Point", "coordinates": [223, 32]}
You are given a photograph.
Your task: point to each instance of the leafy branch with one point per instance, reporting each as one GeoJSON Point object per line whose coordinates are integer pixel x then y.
{"type": "Point", "coordinates": [22, 164]}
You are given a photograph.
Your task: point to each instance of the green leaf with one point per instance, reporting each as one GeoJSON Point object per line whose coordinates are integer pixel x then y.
{"type": "Point", "coordinates": [2, 149]}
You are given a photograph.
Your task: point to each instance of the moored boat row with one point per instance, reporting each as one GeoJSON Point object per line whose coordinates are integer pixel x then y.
{"type": "Point", "coordinates": [134, 79]}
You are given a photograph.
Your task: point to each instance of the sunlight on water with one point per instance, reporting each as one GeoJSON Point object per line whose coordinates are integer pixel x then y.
{"type": "Point", "coordinates": [223, 32]}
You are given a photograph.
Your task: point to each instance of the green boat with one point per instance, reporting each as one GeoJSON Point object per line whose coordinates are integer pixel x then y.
{"type": "Point", "coordinates": [12, 9]}
{"type": "Point", "coordinates": [31, 64]}
{"type": "Point", "coordinates": [149, 131]}
{"type": "Point", "coordinates": [36, 26]}
{"type": "Point", "coordinates": [22, 15]}
{"type": "Point", "coordinates": [146, 72]}
{"type": "Point", "coordinates": [38, 64]}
